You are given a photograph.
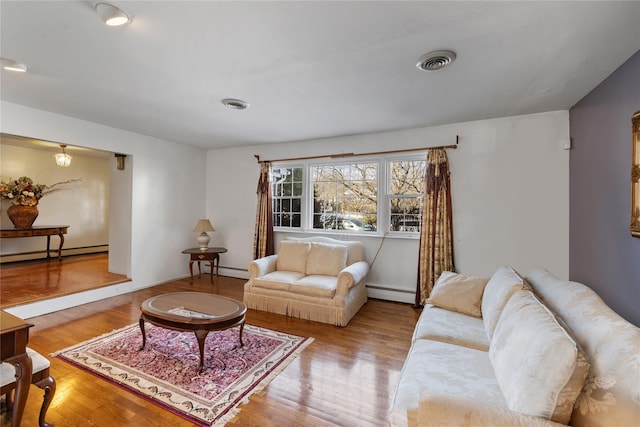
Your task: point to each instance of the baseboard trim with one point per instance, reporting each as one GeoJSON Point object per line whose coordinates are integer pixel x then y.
{"type": "Point", "coordinates": [29, 256]}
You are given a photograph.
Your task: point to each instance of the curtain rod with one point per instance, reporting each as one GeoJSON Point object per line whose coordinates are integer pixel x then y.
{"type": "Point", "coordinates": [333, 156]}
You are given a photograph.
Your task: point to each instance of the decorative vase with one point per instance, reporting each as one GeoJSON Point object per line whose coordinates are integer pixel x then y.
{"type": "Point", "coordinates": [22, 216]}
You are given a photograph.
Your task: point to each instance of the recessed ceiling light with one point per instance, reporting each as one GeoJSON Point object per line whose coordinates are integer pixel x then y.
{"type": "Point", "coordinates": [236, 104]}
{"type": "Point", "coordinates": [111, 15]}
{"type": "Point", "coordinates": [436, 60]}
{"type": "Point", "coordinates": [11, 65]}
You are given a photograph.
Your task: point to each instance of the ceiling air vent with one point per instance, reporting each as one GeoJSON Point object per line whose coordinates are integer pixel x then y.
{"type": "Point", "coordinates": [436, 60]}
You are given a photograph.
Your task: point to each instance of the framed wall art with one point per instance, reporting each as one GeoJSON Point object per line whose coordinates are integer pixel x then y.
{"type": "Point", "coordinates": [635, 175]}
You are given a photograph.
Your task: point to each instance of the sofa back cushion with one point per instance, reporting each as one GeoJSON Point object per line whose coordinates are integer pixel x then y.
{"type": "Point", "coordinates": [538, 364]}
{"type": "Point", "coordinates": [611, 395]}
{"type": "Point", "coordinates": [326, 259]}
{"type": "Point", "coordinates": [458, 292]}
{"type": "Point", "coordinates": [292, 256]}
{"type": "Point", "coordinates": [355, 250]}
{"type": "Point", "coordinates": [504, 283]}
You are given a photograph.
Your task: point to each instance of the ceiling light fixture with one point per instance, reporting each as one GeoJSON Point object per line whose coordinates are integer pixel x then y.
{"type": "Point", "coordinates": [111, 15]}
{"type": "Point", "coordinates": [63, 159]}
{"type": "Point", "coordinates": [236, 104]}
{"type": "Point", "coordinates": [436, 60]}
{"type": "Point", "coordinates": [11, 65]}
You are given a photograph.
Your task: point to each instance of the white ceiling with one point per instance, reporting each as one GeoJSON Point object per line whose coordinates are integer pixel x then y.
{"type": "Point", "coordinates": [309, 69]}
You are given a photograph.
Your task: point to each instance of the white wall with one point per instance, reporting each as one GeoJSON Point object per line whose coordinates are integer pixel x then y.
{"type": "Point", "coordinates": [510, 194]}
{"type": "Point", "coordinates": [509, 183]}
{"type": "Point", "coordinates": [167, 197]}
{"type": "Point", "coordinates": [82, 206]}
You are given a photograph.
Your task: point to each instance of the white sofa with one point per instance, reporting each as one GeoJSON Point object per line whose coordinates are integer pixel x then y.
{"type": "Point", "coordinates": [511, 352]}
{"type": "Point", "coordinates": [315, 278]}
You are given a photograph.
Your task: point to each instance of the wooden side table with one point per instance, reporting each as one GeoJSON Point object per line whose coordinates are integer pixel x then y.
{"type": "Point", "coordinates": [212, 255]}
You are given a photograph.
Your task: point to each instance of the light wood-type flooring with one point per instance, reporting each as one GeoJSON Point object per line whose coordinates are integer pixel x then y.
{"type": "Point", "coordinates": [29, 281]}
{"type": "Point", "coordinates": [344, 378]}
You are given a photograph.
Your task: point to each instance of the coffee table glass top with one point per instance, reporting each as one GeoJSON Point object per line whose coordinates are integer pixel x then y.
{"type": "Point", "coordinates": [193, 307]}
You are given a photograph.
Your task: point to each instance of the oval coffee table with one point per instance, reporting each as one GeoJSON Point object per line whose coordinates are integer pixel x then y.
{"type": "Point", "coordinates": [199, 312]}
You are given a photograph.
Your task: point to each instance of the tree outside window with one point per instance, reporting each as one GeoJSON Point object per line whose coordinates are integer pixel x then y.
{"type": "Point", "coordinates": [345, 196]}
{"type": "Point", "coordinates": [406, 189]}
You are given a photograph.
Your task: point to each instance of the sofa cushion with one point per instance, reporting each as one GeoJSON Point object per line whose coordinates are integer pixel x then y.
{"type": "Point", "coordinates": [504, 283]}
{"type": "Point", "coordinates": [458, 292]}
{"type": "Point", "coordinates": [611, 394]}
{"type": "Point", "coordinates": [326, 259]}
{"type": "Point", "coordinates": [277, 280]}
{"type": "Point", "coordinates": [444, 325]}
{"type": "Point", "coordinates": [292, 256]}
{"type": "Point", "coordinates": [438, 367]}
{"type": "Point", "coordinates": [315, 286]}
{"type": "Point", "coordinates": [355, 250]}
{"type": "Point", "coordinates": [454, 410]}
{"type": "Point", "coordinates": [538, 364]}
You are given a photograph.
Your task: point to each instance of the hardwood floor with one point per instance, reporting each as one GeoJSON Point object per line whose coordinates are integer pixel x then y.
{"type": "Point", "coordinates": [344, 378]}
{"type": "Point", "coordinates": [29, 281]}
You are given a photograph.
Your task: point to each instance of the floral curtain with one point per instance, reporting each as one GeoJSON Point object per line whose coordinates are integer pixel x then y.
{"type": "Point", "coordinates": [436, 232]}
{"type": "Point", "coordinates": [263, 236]}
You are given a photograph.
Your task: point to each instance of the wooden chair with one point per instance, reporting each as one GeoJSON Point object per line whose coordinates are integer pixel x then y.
{"type": "Point", "coordinates": [39, 377]}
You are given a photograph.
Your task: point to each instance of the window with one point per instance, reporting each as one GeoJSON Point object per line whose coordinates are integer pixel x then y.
{"type": "Point", "coordinates": [405, 191]}
{"type": "Point", "coordinates": [345, 196]}
{"type": "Point", "coordinates": [287, 196]}
{"type": "Point", "coordinates": [358, 196]}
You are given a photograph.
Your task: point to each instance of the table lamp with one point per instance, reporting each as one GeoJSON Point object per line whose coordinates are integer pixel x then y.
{"type": "Point", "coordinates": [202, 227]}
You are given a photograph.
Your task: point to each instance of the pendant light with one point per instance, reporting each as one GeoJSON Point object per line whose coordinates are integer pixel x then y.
{"type": "Point", "coordinates": [63, 159]}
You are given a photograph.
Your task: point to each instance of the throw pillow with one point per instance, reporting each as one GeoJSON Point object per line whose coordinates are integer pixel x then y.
{"type": "Point", "coordinates": [458, 292]}
{"type": "Point", "coordinates": [292, 256]}
{"type": "Point", "coordinates": [326, 259]}
{"type": "Point", "coordinates": [538, 364]}
{"type": "Point", "coordinates": [504, 283]}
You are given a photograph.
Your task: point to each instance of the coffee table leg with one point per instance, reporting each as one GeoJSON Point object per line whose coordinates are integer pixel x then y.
{"type": "Point", "coordinates": [144, 336]}
{"type": "Point", "coordinates": [201, 336]}
{"type": "Point", "coordinates": [241, 329]}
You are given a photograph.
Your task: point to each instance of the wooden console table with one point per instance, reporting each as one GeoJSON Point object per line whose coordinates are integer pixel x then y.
{"type": "Point", "coordinates": [42, 230]}
{"type": "Point", "coordinates": [14, 336]}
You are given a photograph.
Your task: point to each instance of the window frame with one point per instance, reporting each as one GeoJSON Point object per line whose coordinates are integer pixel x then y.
{"type": "Point", "coordinates": [389, 195]}
{"type": "Point", "coordinates": [302, 198]}
{"type": "Point", "coordinates": [383, 194]}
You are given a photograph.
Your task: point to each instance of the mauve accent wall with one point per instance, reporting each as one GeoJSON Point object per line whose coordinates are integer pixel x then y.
{"type": "Point", "coordinates": [602, 252]}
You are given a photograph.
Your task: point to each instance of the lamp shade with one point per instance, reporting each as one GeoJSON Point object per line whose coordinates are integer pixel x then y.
{"type": "Point", "coordinates": [203, 225]}
{"type": "Point", "coordinates": [63, 159]}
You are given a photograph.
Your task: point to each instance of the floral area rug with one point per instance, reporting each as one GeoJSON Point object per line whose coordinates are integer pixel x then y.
{"type": "Point", "coordinates": [165, 372]}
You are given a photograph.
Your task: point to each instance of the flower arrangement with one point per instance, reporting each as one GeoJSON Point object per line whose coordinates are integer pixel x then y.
{"type": "Point", "coordinates": [24, 192]}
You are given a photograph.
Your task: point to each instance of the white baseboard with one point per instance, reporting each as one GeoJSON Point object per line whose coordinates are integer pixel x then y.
{"type": "Point", "coordinates": [28, 256]}
{"type": "Point", "coordinates": [386, 293]}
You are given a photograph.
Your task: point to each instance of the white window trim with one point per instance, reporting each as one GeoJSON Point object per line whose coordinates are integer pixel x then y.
{"type": "Point", "coordinates": [382, 202]}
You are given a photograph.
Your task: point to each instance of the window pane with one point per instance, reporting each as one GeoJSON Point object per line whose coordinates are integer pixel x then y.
{"type": "Point", "coordinates": [407, 177]}
{"type": "Point", "coordinates": [405, 214]}
{"type": "Point", "coordinates": [287, 196]}
{"type": "Point", "coordinates": [406, 187]}
{"type": "Point", "coordinates": [345, 196]}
